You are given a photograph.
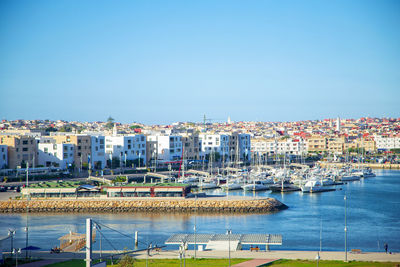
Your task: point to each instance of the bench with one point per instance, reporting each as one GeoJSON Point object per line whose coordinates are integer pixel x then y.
{"type": "Point", "coordinates": [254, 249]}
{"type": "Point", "coordinates": [356, 251]}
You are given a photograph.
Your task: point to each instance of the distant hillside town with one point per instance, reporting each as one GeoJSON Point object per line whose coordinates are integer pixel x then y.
{"type": "Point", "coordinates": [99, 145]}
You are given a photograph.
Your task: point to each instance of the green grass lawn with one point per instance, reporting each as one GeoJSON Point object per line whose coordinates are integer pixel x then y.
{"type": "Point", "coordinates": [159, 263]}
{"type": "Point", "coordinates": [304, 263]}
{"type": "Point", "coordinates": [224, 262]}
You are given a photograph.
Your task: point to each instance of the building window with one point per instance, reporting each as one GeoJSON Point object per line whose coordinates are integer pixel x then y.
{"type": "Point", "coordinates": [25, 142]}
{"type": "Point", "coordinates": [25, 149]}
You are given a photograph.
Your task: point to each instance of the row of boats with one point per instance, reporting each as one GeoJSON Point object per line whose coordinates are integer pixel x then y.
{"type": "Point", "coordinates": [308, 180]}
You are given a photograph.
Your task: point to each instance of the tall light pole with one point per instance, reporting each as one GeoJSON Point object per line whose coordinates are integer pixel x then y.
{"type": "Point", "coordinates": [11, 233]}
{"type": "Point", "coordinates": [228, 232]}
{"type": "Point", "coordinates": [195, 204]}
{"type": "Point", "coordinates": [27, 211]}
{"type": "Point", "coordinates": [345, 228]}
{"type": "Point", "coordinates": [16, 252]}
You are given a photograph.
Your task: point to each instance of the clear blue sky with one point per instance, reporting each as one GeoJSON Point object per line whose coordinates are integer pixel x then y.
{"type": "Point", "coordinates": [165, 61]}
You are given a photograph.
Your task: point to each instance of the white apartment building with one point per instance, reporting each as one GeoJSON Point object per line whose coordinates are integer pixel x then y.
{"type": "Point", "coordinates": [164, 147]}
{"type": "Point", "coordinates": [3, 156]}
{"type": "Point", "coordinates": [52, 154]}
{"type": "Point", "coordinates": [98, 152]}
{"type": "Point", "coordinates": [125, 147]}
{"type": "Point", "coordinates": [386, 142]}
{"type": "Point", "coordinates": [283, 146]}
{"type": "Point", "coordinates": [209, 143]}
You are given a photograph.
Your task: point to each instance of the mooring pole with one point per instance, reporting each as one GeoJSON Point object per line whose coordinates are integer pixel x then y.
{"type": "Point", "coordinates": [88, 242]}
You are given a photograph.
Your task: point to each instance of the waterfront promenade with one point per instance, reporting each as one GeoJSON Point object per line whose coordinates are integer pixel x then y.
{"type": "Point", "coordinates": [246, 254]}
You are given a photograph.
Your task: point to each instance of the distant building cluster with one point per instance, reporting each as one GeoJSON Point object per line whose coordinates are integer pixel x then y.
{"type": "Point", "coordinates": [99, 145]}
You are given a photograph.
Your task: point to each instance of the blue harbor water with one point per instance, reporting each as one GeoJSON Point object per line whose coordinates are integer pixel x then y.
{"type": "Point", "coordinates": [373, 218]}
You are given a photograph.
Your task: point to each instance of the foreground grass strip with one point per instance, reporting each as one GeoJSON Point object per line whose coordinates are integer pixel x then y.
{"type": "Point", "coordinates": [224, 263]}
{"type": "Point", "coordinates": [159, 263]}
{"type": "Point", "coordinates": [324, 263]}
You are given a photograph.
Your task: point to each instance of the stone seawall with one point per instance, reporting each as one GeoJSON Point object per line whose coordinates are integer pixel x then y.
{"type": "Point", "coordinates": [149, 205]}
{"type": "Point", "coordinates": [360, 165]}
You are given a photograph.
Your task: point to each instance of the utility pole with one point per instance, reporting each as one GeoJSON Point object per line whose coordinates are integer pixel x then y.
{"type": "Point", "coordinates": [195, 203]}
{"type": "Point", "coordinates": [27, 211]}
{"type": "Point", "coordinates": [345, 228]}
{"type": "Point", "coordinates": [88, 242]}
{"type": "Point", "coordinates": [229, 245]}
{"type": "Point", "coordinates": [11, 233]}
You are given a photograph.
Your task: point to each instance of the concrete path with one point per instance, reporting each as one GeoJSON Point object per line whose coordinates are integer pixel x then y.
{"type": "Point", "coordinates": [254, 263]}
{"type": "Point", "coordinates": [40, 263]}
{"type": "Point", "coordinates": [243, 254]}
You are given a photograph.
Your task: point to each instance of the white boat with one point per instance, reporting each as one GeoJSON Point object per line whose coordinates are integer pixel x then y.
{"type": "Point", "coordinates": [231, 186]}
{"type": "Point", "coordinates": [256, 186]}
{"type": "Point", "coordinates": [314, 186]}
{"type": "Point", "coordinates": [348, 178]}
{"type": "Point", "coordinates": [368, 173]}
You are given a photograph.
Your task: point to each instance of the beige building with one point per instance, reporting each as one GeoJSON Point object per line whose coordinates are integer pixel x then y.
{"type": "Point", "coordinates": [336, 145]}
{"type": "Point", "coordinates": [317, 143]}
{"type": "Point", "coordinates": [21, 150]}
{"type": "Point", "coordinates": [82, 147]}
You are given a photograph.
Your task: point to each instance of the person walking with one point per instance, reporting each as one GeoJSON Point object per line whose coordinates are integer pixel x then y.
{"type": "Point", "coordinates": [386, 248]}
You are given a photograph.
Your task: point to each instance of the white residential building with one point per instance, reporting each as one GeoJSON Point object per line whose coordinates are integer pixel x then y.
{"type": "Point", "coordinates": [283, 146]}
{"type": "Point", "coordinates": [52, 154]}
{"type": "Point", "coordinates": [214, 143]}
{"type": "Point", "coordinates": [387, 142]}
{"type": "Point", "coordinates": [3, 156]}
{"type": "Point", "coordinates": [164, 147]}
{"type": "Point", "coordinates": [126, 147]}
{"type": "Point", "coordinates": [98, 152]}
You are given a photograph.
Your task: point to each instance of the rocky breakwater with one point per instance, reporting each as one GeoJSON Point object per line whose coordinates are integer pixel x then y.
{"type": "Point", "coordinates": [263, 205]}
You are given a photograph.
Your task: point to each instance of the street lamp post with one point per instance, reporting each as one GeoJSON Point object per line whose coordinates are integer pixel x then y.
{"type": "Point", "coordinates": [11, 233]}
{"type": "Point", "coordinates": [345, 228]}
{"type": "Point", "coordinates": [228, 232]}
{"type": "Point", "coordinates": [195, 203]}
{"type": "Point", "coordinates": [16, 252]}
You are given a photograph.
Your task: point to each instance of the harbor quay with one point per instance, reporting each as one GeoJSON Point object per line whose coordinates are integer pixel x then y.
{"type": "Point", "coordinates": [209, 204]}
{"type": "Point", "coordinates": [388, 166]}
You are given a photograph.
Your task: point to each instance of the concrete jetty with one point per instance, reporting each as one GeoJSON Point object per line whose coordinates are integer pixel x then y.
{"type": "Point", "coordinates": [209, 205]}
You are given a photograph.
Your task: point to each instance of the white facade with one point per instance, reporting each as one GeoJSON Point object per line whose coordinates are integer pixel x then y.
{"type": "Point", "coordinates": [3, 156]}
{"type": "Point", "coordinates": [387, 142]}
{"type": "Point", "coordinates": [127, 147]}
{"type": "Point", "coordinates": [283, 146]}
{"type": "Point", "coordinates": [57, 155]}
{"type": "Point", "coordinates": [214, 143]}
{"type": "Point", "coordinates": [98, 152]}
{"type": "Point", "coordinates": [165, 147]}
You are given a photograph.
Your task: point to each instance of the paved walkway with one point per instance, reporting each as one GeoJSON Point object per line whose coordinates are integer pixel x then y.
{"type": "Point", "coordinates": [243, 254]}
{"type": "Point", "coordinates": [40, 263]}
{"type": "Point", "coordinates": [253, 263]}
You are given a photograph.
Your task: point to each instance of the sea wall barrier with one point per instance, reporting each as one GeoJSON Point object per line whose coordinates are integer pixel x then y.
{"type": "Point", "coordinates": [361, 165]}
{"type": "Point", "coordinates": [264, 205]}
